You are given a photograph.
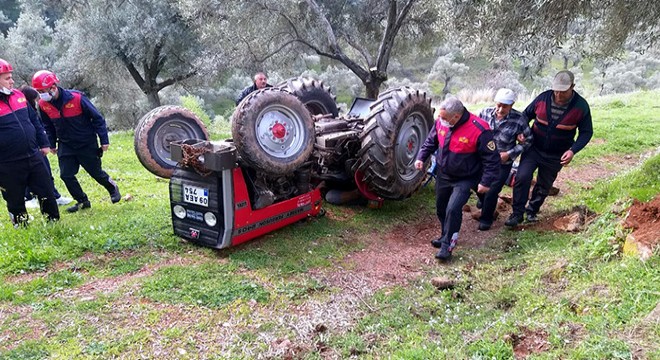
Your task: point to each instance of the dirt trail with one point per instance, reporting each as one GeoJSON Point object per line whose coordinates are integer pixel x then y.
{"type": "Point", "coordinates": [394, 258]}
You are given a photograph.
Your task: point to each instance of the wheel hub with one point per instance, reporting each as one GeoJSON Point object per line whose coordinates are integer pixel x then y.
{"type": "Point", "coordinates": [278, 130]}
{"type": "Point", "coordinates": [409, 141]}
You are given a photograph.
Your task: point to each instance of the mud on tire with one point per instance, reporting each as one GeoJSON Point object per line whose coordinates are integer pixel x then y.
{"type": "Point", "coordinates": [394, 131]}
{"type": "Point", "coordinates": [157, 128]}
{"type": "Point", "coordinates": [313, 93]}
{"type": "Point", "coordinates": [273, 131]}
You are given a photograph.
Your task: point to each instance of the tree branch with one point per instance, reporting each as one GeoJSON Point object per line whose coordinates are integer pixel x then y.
{"type": "Point", "coordinates": [139, 80]}
{"type": "Point", "coordinates": [174, 80]}
{"type": "Point", "coordinates": [355, 45]}
{"type": "Point", "coordinates": [329, 32]}
{"type": "Point", "coordinates": [394, 24]}
{"type": "Point", "coordinates": [156, 65]}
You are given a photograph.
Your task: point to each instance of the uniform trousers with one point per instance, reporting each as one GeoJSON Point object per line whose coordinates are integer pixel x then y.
{"type": "Point", "coordinates": [88, 157]}
{"type": "Point", "coordinates": [450, 196]}
{"type": "Point", "coordinates": [16, 176]}
{"type": "Point", "coordinates": [489, 199]}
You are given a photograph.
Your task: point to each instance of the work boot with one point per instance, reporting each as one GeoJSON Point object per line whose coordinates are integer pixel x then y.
{"type": "Point", "coordinates": [115, 196]}
{"type": "Point", "coordinates": [444, 254]}
{"type": "Point", "coordinates": [484, 226]}
{"type": "Point", "coordinates": [532, 217]}
{"type": "Point", "coordinates": [513, 220]}
{"type": "Point", "coordinates": [78, 206]}
{"type": "Point", "coordinates": [19, 220]}
{"type": "Point", "coordinates": [437, 243]}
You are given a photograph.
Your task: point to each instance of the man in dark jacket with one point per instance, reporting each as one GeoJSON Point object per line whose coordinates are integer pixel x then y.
{"type": "Point", "coordinates": [260, 81]}
{"type": "Point", "coordinates": [512, 136]}
{"type": "Point", "coordinates": [23, 144]}
{"type": "Point", "coordinates": [32, 97]}
{"type": "Point", "coordinates": [74, 127]}
{"type": "Point", "coordinates": [558, 114]}
{"type": "Point", "coordinates": [467, 159]}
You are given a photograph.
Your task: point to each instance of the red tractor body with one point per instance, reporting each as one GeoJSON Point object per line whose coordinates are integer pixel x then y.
{"type": "Point", "coordinates": [215, 208]}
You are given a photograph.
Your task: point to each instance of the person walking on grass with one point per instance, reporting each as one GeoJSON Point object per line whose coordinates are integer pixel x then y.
{"type": "Point", "coordinates": [32, 97]}
{"type": "Point", "coordinates": [512, 136]}
{"type": "Point", "coordinates": [558, 115]}
{"type": "Point", "coordinates": [74, 128]}
{"type": "Point", "coordinates": [23, 144]}
{"type": "Point", "coordinates": [466, 159]}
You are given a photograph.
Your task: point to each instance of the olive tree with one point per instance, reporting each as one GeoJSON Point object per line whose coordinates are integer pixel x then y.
{"type": "Point", "coordinates": [632, 72]}
{"type": "Point", "coordinates": [538, 28]}
{"type": "Point", "coordinates": [362, 35]}
{"type": "Point", "coordinates": [448, 71]}
{"type": "Point", "coordinates": [154, 44]}
{"type": "Point", "coordinates": [29, 46]}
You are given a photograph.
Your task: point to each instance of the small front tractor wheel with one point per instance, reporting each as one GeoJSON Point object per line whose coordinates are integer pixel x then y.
{"type": "Point", "coordinates": [273, 132]}
{"type": "Point", "coordinates": [313, 93]}
{"type": "Point", "coordinates": [394, 131]}
{"type": "Point", "coordinates": [157, 129]}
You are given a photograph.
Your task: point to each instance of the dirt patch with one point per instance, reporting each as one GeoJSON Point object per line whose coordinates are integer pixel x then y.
{"type": "Point", "coordinates": [638, 337]}
{"type": "Point", "coordinates": [90, 290]}
{"type": "Point", "coordinates": [346, 213]}
{"type": "Point", "coordinates": [644, 219]}
{"type": "Point", "coordinates": [403, 253]}
{"type": "Point", "coordinates": [586, 175]}
{"type": "Point", "coordinates": [573, 333]}
{"type": "Point", "coordinates": [96, 259]}
{"type": "Point", "coordinates": [529, 342]}
{"type": "Point", "coordinates": [23, 327]}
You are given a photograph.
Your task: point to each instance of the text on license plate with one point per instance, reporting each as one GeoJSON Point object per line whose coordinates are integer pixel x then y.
{"type": "Point", "coordinates": [195, 195]}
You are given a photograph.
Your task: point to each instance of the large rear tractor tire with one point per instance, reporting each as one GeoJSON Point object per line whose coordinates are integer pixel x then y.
{"type": "Point", "coordinates": [313, 93]}
{"type": "Point", "coordinates": [157, 129]}
{"type": "Point", "coordinates": [273, 131]}
{"type": "Point", "coordinates": [394, 131]}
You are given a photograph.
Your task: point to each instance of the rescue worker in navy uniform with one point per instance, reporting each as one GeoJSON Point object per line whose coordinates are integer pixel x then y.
{"type": "Point", "coordinates": [23, 143]}
{"type": "Point", "coordinates": [467, 159]}
{"type": "Point", "coordinates": [32, 97]}
{"type": "Point", "coordinates": [73, 125]}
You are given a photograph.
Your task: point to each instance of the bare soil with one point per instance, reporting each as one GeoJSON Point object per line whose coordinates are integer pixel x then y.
{"type": "Point", "coordinates": [644, 219]}
{"type": "Point", "coordinates": [528, 342]}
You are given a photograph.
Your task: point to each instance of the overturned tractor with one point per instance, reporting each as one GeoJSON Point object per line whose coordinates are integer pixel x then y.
{"type": "Point", "coordinates": [289, 142]}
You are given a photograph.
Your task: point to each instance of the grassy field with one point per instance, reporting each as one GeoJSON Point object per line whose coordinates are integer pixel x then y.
{"type": "Point", "coordinates": [114, 282]}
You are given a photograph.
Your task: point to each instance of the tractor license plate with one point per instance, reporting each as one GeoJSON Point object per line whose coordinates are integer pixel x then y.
{"type": "Point", "coordinates": [195, 195]}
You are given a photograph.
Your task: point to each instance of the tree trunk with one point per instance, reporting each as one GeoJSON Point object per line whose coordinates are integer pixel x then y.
{"type": "Point", "coordinates": [372, 86]}
{"type": "Point", "coordinates": [372, 90]}
{"type": "Point", "coordinates": [153, 98]}
{"type": "Point", "coordinates": [445, 89]}
{"type": "Point", "coordinates": [372, 83]}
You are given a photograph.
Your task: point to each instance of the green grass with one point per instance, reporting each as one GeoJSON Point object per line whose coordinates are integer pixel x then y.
{"type": "Point", "coordinates": [497, 299]}
{"type": "Point", "coordinates": [642, 183]}
{"type": "Point", "coordinates": [153, 295]}
{"type": "Point", "coordinates": [625, 124]}
{"type": "Point", "coordinates": [211, 285]}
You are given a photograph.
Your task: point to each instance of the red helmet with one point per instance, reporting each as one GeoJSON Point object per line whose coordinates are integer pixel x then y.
{"type": "Point", "coordinates": [44, 79]}
{"type": "Point", "coordinates": [5, 67]}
